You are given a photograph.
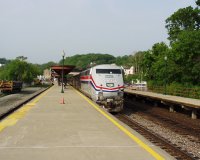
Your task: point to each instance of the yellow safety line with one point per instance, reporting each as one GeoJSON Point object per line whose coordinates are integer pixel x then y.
{"type": "Point", "coordinates": [13, 118]}
{"type": "Point", "coordinates": [133, 137]}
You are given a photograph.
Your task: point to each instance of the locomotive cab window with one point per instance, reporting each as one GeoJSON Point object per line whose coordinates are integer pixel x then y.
{"type": "Point", "coordinates": [108, 71]}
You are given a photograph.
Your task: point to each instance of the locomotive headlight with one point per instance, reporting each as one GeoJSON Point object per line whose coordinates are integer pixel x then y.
{"type": "Point", "coordinates": [120, 93]}
{"type": "Point", "coordinates": [100, 95]}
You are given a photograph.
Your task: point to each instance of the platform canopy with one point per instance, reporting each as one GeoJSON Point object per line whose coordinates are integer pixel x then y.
{"type": "Point", "coordinates": [66, 69]}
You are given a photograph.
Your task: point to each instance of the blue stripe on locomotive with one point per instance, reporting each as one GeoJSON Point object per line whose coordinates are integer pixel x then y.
{"type": "Point", "coordinates": [98, 89]}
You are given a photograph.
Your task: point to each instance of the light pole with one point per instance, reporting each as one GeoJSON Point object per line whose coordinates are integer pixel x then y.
{"type": "Point", "coordinates": [165, 58]}
{"type": "Point", "coordinates": [63, 55]}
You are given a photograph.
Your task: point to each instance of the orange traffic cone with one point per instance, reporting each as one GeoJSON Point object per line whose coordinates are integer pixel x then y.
{"type": "Point", "coordinates": [62, 101]}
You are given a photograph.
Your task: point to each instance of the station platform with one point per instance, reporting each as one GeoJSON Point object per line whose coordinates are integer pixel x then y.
{"type": "Point", "coordinates": [195, 103]}
{"type": "Point", "coordinates": [77, 130]}
{"type": "Point", "coordinates": [187, 103]}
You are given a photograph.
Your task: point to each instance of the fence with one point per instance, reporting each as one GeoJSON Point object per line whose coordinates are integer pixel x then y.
{"type": "Point", "coordinates": [177, 91]}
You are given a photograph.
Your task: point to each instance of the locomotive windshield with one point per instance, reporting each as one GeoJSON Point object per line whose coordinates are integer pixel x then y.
{"type": "Point", "coordinates": [108, 71]}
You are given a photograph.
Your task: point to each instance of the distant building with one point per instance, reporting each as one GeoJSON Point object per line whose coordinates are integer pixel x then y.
{"type": "Point", "coordinates": [74, 73]}
{"type": "Point", "coordinates": [128, 71]}
{"type": "Point", "coordinates": [1, 65]}
{"type": "Point", "coordinates": [47, 74]}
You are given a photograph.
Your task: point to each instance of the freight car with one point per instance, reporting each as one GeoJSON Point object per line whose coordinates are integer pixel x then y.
{"type": "Point", "coordinates": [10, 86]}
{"type": "Point", "coordinates": [103, 84]}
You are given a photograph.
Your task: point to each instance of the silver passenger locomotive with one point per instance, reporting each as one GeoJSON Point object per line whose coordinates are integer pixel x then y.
{"type": "Point", "coordinates": [103, 84]}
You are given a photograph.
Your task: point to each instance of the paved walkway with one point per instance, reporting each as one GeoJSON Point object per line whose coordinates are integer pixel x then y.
{"type": "Point", "coordinates": [44, 129]}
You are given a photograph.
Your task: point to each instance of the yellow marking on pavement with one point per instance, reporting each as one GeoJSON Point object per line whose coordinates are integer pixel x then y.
{"type": "Point", "coordinates": [30, 104]}
{"type": "Point", "coordinates": [13, 118]}
{"type": "Point", "coordinates": [133, 137]}
{"type": "Point", "coordinates": [40, 96]}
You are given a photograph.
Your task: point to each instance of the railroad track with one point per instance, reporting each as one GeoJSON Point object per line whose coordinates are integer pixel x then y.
{"type": "Point", "coordinates": [176, 126]}
{"type": "Point", "coordinates": [173, 150]}
{"type": "Point", "coordinates": [19, 104]}
{"type": "Point", "coordinates": [176, 122]}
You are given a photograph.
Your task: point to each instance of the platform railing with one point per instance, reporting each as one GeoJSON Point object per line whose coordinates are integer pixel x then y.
{"type": "Point", "coordinates": [177, 91]}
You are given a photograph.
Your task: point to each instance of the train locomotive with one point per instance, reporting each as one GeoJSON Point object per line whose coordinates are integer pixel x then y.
{"type": "Point", "coordinates": [103, 84]}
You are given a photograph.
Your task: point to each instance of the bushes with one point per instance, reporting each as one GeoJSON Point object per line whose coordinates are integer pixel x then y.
{"type": "Point", "coordinates": [19, 70]}
{"type": "Point", "coordinates": [176, 89]}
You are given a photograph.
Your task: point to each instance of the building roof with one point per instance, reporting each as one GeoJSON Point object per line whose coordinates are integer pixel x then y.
{"type": "Point", "coordinates": [66, 69]}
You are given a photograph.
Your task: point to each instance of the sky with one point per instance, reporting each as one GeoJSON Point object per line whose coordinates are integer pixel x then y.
{"type": "Point", "coordinates": [41, 29]}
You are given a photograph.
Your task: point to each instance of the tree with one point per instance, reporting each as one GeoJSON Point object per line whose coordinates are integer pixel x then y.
{"type": "Point", "coordinates": [154, 63]}
{"type": "Point", "coordinates": [19, 70]}
{"type": "Point", "coordinates": [4, 61]}
{"type": "Point", "coordinates": [44, 66]}
{"type": "Point", "coordinates": [83, 61]}
{"type": "Point", "coordinates": [184, 19]}
{"type": "Point", "coordinates": [122, 60]}
{"type": "Point", "coordinates": [21, 58]}
{"type": "Point", "coordinates": [136, 61]}
{"type": "Point", "coordinates": [186, 52]}
{"type": "Point", "coordinates": [198, 2]}
{"type": "Point", "coordinates": [184, 35]}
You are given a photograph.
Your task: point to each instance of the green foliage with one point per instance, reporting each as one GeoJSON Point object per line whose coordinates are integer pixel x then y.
{"type": "Point", "coordinates": [198, 2]}
{"type": "Point", "coordinates": [186, 51]}
{"type": "Point", "coordinates": [21, 58]}
{"type": "Point", "coordinates": [176, 89]}
{"type": "Point", "coordinates": [19, 70]}
{"type": "Point", "coordinates": [4, 61]}
{"type": "Point", "coordinates": [136, 61]}
{"type": "Point", "coordinates": [154, 62]}
{"type": "Point", "coordinates": [44, 66]}
{"type": "Point", "coordinates": [184, 19]}
{"type": "Point", "coordinates": [131, 60]}
{"type": "Point", "coordinates": [182, 66]}
{"type": "Point", "coordinates": [122, 60]}
{"type": "Point", "coordinates": [83, 61]}
{"type": "Point", "coordinates": [184, 32]}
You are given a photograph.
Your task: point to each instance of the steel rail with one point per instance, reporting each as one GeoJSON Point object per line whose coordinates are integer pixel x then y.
{"type": "Point", "coordinates": [170, 148]}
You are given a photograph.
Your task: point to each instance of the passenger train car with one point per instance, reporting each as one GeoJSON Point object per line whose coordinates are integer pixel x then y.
{"type": "Point", "coordinates": [103, 84]}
